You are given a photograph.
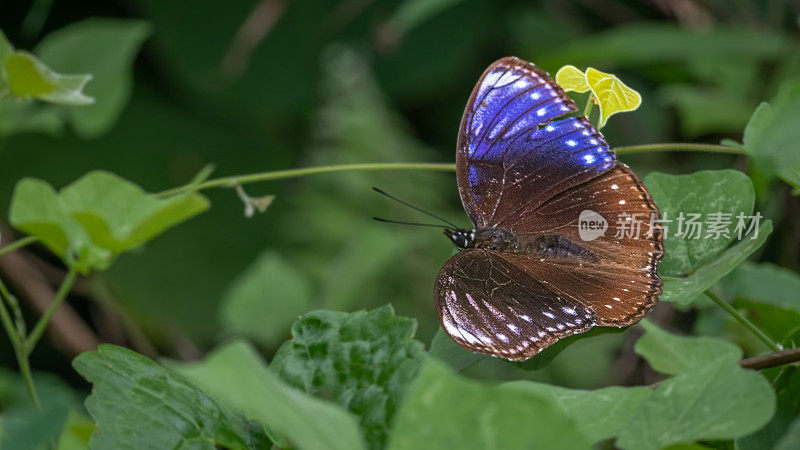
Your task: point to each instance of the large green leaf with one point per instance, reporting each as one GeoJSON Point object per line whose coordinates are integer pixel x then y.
{"type": "Point", "coordinates": [265, 299]}
{"type": "Point", "coordinates": [106, 48]}
{"type": "Point", "coordinates": [772, 138]}
{"type": "Point", "coordinates": [445, 411]}
{"type": "Point", "coordinates": [97, 216]}
{"type": "Point", "coordinates": [671, 354]}
{"type": "Point", "coordinates": [718, 401]}
{"type": "Point", "coordinates": [749, 279]}
{"type": "Point", "coordinates": [684, 289]}
{"type": "Point", "coordinates": [237, 376]}
{"type": "Point", "coordinates": [711, 396]}
{"type": "Point", "coordinates": [782, 429]}
{"type": "Point", "coordinates": [138, 404]}
{"type": "Point", "coordinates": [600, 414]}
{"type": "Point", "coordinates": [22, 425]}
{"type": "Point", "coordinates": [374, 348]}
{"type": "Point", "coordinates": [727, 192]}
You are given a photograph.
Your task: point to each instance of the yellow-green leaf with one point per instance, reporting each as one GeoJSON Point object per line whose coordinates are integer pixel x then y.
{"type": "Point", "coordinates": [27, 77]}
{"type": "Point", "coordinates": [611, 93]}
{"type": "Point", "coordinates": [570, 78]}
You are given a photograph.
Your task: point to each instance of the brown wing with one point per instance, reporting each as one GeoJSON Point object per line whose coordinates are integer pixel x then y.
{"type": "Point", "coordinates": [621, 284]}
{"type": "Point", "coordinates": [490, 305]}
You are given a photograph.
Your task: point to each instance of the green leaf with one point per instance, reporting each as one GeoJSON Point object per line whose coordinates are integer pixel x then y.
{"type": "Point", "coordinates": [671, 354]}
{"type": "Point", "coordinates": [455, 356]}
{"type": "Point", "coordinates": [749, 279]}
{"type": "Point", "coordinates": [684, 290]}
{"type": "Point", "coordinates": [138, 404]}
{"type": "Point", "coordinates": [600, 414]}
{"type": "Point", "coordinates": [791, 440]}
{"type": "Point", "coordinates": [77, 433]}
{"type": "Point", "coordinates": [6, 49]}
{"type": "Point", "coordinates": [771, 137]}
{"type": "Point", "coordinates": [36, 209]}
{"type": "Point", "coordinates": [411, 13]}
{"type": "Point", "coordinates": [97, 216]}
{"type": "Point", "coordinates": [613, 96]}
{"type": "Point", "coordinates": [105, 48]}
{"type": "Point", "coordinates": [787, 387]}
{"type": "Point", "coordinates": [119, 215]}
{"type": "Point", "coordinates": [27, 77]}
{"type": "Point", "coordinates": [445, 411]}
{"type": "Point", "coordinates": [543, 358]}
{"type": "Point", "coordinates": [719, 401]}
{"type": "Point", "coordinates": [237, 376]}
{"type": "Point", "coordinates": [570, 78]}
{"type": "Point", "coordinates": [265, 299]}
{"type": "Point", "coordinates": [711, 398]}
{"type": "Point", "coordinates": [375, 349]}
{"type": "Point", "coordinates": [706, 192]}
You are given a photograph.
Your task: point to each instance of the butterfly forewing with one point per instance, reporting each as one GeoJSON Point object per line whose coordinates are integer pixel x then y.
{"type": "Point", "coordinates": [509, 154]}
{"type": "Point", "coordinates": [620, 283]}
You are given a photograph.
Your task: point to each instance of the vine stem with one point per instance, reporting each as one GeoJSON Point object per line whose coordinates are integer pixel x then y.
{"type": "Point", "coordinates": [743, 320]}
{"type": "Point", "coordinates": [41, 325]}
{"type": "Point", "coordinates": [235, 180]}
{"type": "Point", "coordinates": [788, 356]}
{"type": "Point", "coordinates": [19, 243]}
{"type": "Point", "coordinates": [17, 337]}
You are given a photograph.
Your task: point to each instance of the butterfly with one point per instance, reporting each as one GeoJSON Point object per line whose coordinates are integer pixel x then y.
{"type": "Point", "coordinates": [552, 252]}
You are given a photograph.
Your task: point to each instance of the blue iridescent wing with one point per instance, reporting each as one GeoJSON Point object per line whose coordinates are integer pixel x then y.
{"type": "Point", "coordinates": [512, 156]}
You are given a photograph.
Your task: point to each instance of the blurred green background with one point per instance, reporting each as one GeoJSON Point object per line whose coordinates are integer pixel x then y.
{"type": "Point", "coordinates": [257, 86]}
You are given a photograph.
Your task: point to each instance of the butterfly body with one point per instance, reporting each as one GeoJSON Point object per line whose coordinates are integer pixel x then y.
{"type": "Point", "coordinates": [527, 274]}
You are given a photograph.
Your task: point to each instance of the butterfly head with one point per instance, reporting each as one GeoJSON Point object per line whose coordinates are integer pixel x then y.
{"type": "Point", "coordinates": [462, 237]}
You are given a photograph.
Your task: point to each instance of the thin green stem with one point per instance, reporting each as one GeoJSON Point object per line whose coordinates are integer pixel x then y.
{"type": "Point", "coordinates": [19, 243]}
{"type": "Point", "coordinates": [5, 317]}
{"type": "Point", "coordinates": [679, 147]}
{"type": "Point", "coordinates": [743, 320]}
{"type": "Point", "coordinates": [15, 309]}
{"type": "Point", "coordinates": [17, 337]}
{"type": "Point", "coordinates": [589, 105]}
{"type": "Point", "coordinates": [41, 325]}
{"type": "Point", "coordinates": [293, 173]}
{"type": "Point", "coordinates": [27, 376]}
{"type": "Point", "coordinates": [235, 180]}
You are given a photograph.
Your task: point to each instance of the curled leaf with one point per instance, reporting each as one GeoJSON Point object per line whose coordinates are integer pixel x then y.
{"type": "Point", "coordinates": [570, 78]}
{"type": "Point", "coordinates": [612, 94]}
{"type": "Point", "coordinates": [28, 77]}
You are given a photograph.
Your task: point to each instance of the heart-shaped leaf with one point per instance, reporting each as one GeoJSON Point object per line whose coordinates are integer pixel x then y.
{"type": "Point", "coordinates": [570, 78]}
{"type": "Point", "coordinates": [613, 96]}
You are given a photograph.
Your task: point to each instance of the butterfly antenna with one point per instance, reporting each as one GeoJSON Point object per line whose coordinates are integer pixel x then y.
{"type": "Point", "coordinates": [415, 207]}
{"type": "Point", "coordinates": [400, 222]}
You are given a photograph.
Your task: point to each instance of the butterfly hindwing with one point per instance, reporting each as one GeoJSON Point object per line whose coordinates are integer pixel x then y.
{"type": "Point", "coordinates": [489, 305]}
